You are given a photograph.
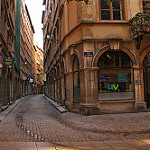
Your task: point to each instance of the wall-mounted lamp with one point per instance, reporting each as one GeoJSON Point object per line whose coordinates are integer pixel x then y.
{"type": "Point", "coordinates": [48, 35]}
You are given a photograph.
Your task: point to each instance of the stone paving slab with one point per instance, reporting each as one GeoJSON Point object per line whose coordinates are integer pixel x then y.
{"type": "Point", "coordinates": [18, 146]}
{"type": "Point", "coordinates": [84, 146]}
{"type": "Point", "coordinates": [45, 146]}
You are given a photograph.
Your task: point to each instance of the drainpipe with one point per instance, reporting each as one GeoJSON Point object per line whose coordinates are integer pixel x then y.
{"type": "Point", "coordinates": [59, 41]}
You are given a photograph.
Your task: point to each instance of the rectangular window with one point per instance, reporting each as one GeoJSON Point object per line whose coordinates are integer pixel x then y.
{"type": "Point", "coordinates": [146, 6]}
{"type": "Point", "coordinates": [113, 11]}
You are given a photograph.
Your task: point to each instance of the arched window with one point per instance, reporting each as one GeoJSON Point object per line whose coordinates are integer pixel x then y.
{"type": "Point", "coordinates": [76, 79]}
{"type": "Point", "coordinates": [115, 76]}
{"type": "Point", "coordinates": [113, 11]}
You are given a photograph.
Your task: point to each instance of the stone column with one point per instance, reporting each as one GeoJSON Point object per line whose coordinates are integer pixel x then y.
{"type": "Point", "coordinates": [55, 90]}
{"type": "Point", "coordinates": [69, 90]}
{"type": "Point", "coordinates": [63, 89]}
{"type": "Point", "coordinates": [140, 104]}
{"type": "Point", "coordinates": [1, 67]}
{"type": "Point", "coordinates": [89, 90]}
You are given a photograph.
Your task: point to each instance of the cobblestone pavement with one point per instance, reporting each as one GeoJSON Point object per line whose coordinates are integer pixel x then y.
{"type": "Point", "coordinates": [35, 124]}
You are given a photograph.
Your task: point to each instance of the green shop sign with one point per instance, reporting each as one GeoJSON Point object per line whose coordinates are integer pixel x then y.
{"type": "Point", "coordinates": [8, 62]}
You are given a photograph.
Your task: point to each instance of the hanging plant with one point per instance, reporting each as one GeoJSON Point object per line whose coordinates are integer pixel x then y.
{"type": "Point", "coordinates": [140, 24]}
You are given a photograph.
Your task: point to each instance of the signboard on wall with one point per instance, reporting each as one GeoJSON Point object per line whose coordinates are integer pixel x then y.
{"type": "Point", "coordinates": [88, 54]}
{"type": "Point", "coordinates": [104, 78]}
{"type": "Point", "coordinates": [24, 77]}
{"type": "Point", "coordinates": [40, 78]}
{"type": "Point", "coordinates": [45, 77]}
{"type": "Point", "coordinates": [31, 80]}
{"type": "Point", "coordinates": [122, 77]}
{"type": "Point", "coordinates": [8, 62]}
{"type": "Point", "coordinates": [1, 65]}
{"type": "Point", "coordinates": [139, 82]}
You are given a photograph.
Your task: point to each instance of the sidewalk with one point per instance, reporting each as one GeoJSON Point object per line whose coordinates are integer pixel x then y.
{"type": "Point", "coordinates": [5, 112]}
{"type": "Point", "coordinates": [58, 107]}
{"type": "Point", "coordinates": [94, 145]}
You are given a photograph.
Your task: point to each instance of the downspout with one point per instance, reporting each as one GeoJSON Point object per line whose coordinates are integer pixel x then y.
{"type": "Point", "coordinates": [59, 41]}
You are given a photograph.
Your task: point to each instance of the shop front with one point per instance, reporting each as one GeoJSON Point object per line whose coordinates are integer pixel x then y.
{"type": "Point", "coordinates": [147, 79]}
{"type": "Point", "coordinates": [116, 88]}
{"type": "Point", "coordinates": [115, 76]}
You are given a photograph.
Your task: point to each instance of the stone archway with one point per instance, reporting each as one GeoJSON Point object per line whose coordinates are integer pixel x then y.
{"type": "Point", "coordinates": [145, 63]}
{"type": "Point", "coordinates": [106, 48]}
{"type": "Point", "coordinates": [115, 76]}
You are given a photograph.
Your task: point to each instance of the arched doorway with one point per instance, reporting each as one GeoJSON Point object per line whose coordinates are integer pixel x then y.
{"type": "Point", "coordinates": [147, 79]}
{"type": "Point", "coordinates": [115, 76]}
{"type": "Point", "coordinates": [76, 79]}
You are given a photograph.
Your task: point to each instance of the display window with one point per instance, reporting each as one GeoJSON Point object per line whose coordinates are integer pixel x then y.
{"type": "Point", "coordinates": [115, 79]}
{"type": "Point", "coordinates": [76, 79]}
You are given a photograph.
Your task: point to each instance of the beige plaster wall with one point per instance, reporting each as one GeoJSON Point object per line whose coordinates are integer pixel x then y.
{"type": "Point", "coordinates": [133, 7]}
{"type": "Point", "coordinates": [115, 107]}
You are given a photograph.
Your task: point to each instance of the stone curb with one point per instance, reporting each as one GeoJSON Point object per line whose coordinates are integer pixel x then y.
{"type": "Point", "coordinates": [58, 107]}
{"type": "Point", "coordinates": [6, 111]}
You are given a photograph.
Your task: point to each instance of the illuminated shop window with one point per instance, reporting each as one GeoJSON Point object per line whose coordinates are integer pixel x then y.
{"type": "Point", "coordinates": [76, 79]}
{"type": "Point", "coordinates": [115, 76]}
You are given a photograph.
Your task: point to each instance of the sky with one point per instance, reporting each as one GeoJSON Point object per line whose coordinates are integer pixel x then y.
{"type": "Point", "coordinates": [35, 9]}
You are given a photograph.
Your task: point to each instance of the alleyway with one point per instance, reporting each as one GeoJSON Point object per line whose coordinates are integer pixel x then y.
{"type": "Point", "coordinates": [36, 125]}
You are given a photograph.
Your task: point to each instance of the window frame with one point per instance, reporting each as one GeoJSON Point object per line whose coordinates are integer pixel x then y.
{"type": "Point", "coordinates": [122, 16]}
{"type": "Point", "coordinates": [147, 11]}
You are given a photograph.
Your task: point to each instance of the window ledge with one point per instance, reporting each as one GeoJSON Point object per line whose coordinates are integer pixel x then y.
{"type": "Point", "coordinates": [116, 101]}
{"type": "Point", "coordinates": [106, 21]}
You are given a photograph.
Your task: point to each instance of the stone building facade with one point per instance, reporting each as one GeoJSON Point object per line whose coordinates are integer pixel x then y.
{"type": "Point", "coordinates": [92, 60]}
{"type": "Point", "coordinates": [39, 73]}
{"type": "Point", "coordinates": [16, 48]}
{"type": "Point", "coordinates": [7, 32]}
{"type": "Point", "coordinates": [27, 54]}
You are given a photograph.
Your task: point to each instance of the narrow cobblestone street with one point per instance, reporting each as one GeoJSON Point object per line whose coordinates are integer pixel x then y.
{"type": "Point", "coordinates": [36, 125]}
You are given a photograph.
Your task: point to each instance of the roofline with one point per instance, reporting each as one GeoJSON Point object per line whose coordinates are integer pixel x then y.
{"type": "Point", "coordinates": [43, 12]}
{"type": "Point", "coordinates": [29, 18]}
{"type": "Point", "coordinates": [44, 2]}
